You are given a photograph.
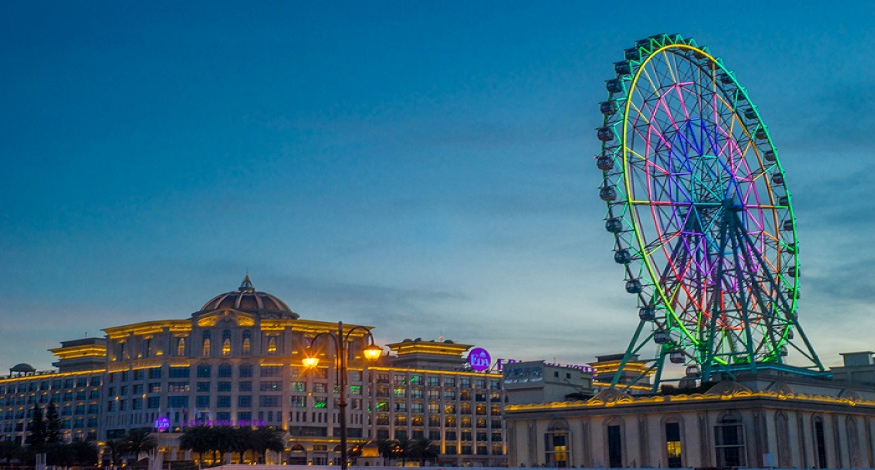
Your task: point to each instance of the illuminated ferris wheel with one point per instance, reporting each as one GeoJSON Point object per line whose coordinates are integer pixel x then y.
{"type": "Point", "coordinates": [703, 223]}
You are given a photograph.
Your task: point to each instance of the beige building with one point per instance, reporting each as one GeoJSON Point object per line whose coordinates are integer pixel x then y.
{"type": "Point", "coordinates": [238, 361]}
{"type": "Point", "coordinates": [774, 419]}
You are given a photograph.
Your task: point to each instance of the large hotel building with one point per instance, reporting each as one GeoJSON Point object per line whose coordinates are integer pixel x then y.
{"type": "Point", "coordinates": [238, 361]}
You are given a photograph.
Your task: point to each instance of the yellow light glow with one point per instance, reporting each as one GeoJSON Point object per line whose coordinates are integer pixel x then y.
{"type": "Point", "coordinates": [310, 361]}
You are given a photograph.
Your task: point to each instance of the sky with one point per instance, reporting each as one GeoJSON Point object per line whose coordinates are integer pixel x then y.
{"type": "Point", "coordinates": [421, 167]}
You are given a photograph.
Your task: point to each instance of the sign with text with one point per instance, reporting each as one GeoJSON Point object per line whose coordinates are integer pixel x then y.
{"type": "Point", "coordinates": [479, 359]}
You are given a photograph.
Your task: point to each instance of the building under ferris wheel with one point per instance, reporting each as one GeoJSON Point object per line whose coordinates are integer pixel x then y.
{"type": "Point", "coordinates": [703, 227]}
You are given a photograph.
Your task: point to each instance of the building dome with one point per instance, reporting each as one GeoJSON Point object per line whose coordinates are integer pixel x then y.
{"type": "Point", "coordinates": [247, 299]}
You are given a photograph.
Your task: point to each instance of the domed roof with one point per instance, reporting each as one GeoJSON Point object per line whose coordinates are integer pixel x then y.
{"type": "Point", "coordinates": [247, 299]}
{"type": "Point", "coordinates": [23, 367]}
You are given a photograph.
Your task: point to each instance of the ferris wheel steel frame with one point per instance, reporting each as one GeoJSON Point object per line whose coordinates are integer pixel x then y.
{"type": "Point", "coordinates": [702, 219]}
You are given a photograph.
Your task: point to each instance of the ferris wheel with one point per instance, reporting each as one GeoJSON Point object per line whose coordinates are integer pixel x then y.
{"type": "Point", "coordinates": [698, 205]}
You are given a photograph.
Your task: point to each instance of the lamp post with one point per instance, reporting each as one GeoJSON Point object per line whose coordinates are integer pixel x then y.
{"type": "Point", "coordinates": [371, 353]}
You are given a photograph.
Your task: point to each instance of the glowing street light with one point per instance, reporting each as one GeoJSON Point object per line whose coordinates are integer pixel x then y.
{"type": "Point", "coordinates": [371, 353]}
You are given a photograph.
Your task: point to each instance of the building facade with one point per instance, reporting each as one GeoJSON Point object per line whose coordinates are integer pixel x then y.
{"type": "Point", "coordinates": [772, 419]}
{"type": "Point", "coordinates": [238, 361]}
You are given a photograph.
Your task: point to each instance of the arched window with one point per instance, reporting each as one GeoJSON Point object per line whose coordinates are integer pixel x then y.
{"type": "Point", "coordinates": [121, 351]}
{"type": "Point", "coordinates": [247, 342]}
{"type": "Point", "coordinates": [180, 346]}
{"type": "Point", "coordinates": [226, 342]}
{"type": "Point", "coordinates": [147, 347]}
{"type": "Point", "coordinates": [729, 442]}
{"type": "Point", "coordinates": [271, 344]}
{"type": "Point", "coordinates": [206, 343]}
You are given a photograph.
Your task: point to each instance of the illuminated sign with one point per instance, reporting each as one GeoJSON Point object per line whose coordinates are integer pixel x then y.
{"type": "Point", "coordinates": [502, 363]}
{"type": "Point", "coordinates": [162, 423]}
{"type": "Point", "coordinates": [479, 359]}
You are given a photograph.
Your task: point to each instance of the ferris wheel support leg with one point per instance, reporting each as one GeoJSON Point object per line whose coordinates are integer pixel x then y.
{"type": "Point", "coordinates": [745, 242]}
{"type": "Point", "coordinates": [715, 310]}
{"type": "Point", "coordinates": [630, 350]}
{"type": "Point", "coordinates": [742, 298]}
{"type": "Point", "coordinates": [812, 355]}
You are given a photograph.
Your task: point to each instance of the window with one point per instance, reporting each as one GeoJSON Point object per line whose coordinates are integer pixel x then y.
{"type": "Point", "coordinates": [433, 381]}
{"type": "Point", "coordinates": [180, 347]}
{"type": "Point", "coordinates": [226, 342]}
{"type": "Point", "coordinates": [177, 387]}
{"type": "Point", "coordinates": [465, 382]}
{"type": "Point", "coordinates": [206, 343]}
{"type": "Point", "coordinates": [271, 344]}
{"type": "Point", "coordinates": [244, 401]}
{"type": "Point", "coordinates": [615, 447]}
{"type": "Point", "coordinates": [153, 403]}
{"type": "Point", "coordinates": [298, 401]}
{"type": "Point", "coordinates": [223, 401]}
{"type": "Point", "coordinates": [177, 402]}
{"type": "Point", "coordinates": [819, 442]}
{"type": "Point", "coordinates": [203, 386]}
{"type": "Point", "coordinates": [224, 386]}
{"type": "Point", "coordinates": [245, 386]}
{"type": "Point", "coordinates": [269, 401]}
{"type": "Point", "coordinates": [179, 372]}
{"type": "Point", "coordinates": [271, 386]}
{"type": "Point", "coordinates": [224, 370]}
{"type": "Point", "coordinates": [729, 442]}
{"type": "Point", "coordinates": [139, 374]}
{"type": "Point", "coordinates": [204, 371]}
{"type": "Point", "coordinates": [202, 401]}
{"type": "Point", "coordinates": [247, 342]}
{"type": "Point", "coordinates": [155, 373]}
{"type": "Point", "coordinates": [245, 370]}
{"type": "Point", "coordinates": [673, 444]}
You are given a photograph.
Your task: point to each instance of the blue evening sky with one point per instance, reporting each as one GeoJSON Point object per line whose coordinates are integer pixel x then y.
{"type": "Point", "coordinates": [422, 167]}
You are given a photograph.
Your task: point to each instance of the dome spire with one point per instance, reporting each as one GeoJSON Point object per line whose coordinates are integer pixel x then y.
{"type": "Point", "coordinates": [246, 286]}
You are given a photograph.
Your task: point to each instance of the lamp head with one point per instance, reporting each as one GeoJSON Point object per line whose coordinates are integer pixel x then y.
{"type": "Point", "coordinates": [372, 352]}
{"type": "Point", "coordinates": [310, 361]}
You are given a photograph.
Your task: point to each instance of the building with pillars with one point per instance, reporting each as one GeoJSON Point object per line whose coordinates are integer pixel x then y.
{"type": "Point", "coordinates": [238, 361]}
{"type": "Point", "coordinates": [775, 418]}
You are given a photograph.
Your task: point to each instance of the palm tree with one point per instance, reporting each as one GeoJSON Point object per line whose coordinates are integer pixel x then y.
{"type": "Point", "coordinates": [265, 439]}
{"type": "Point", "coordinates": [424, 449]}
{"type": "Point", "coordinates": [197, 439]}
{"type": "Point", "coordinates": [140, 441]}
{"type": "Point", "coordinates": [387, 448]}
{"type": "Point", "coordinates": [117, 448]}
{"type": "Point", "coordinates": [404, 449]}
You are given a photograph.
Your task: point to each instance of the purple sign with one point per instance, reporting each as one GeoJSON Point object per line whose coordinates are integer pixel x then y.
{"type": "Point", "coordinates": [479, 359]}
{"type": "Point", "coordinates": [162, 423]}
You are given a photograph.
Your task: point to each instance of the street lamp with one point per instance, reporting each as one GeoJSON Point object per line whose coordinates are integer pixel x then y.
{"type": "Point", "coordinates": [371, 353]}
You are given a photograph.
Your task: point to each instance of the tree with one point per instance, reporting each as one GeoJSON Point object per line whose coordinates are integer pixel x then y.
{"type": "Point", "coordinates": [116, 449]}
{"type": "Point", "coordinates": [403, 449]}
{"type": "Point", "coordinates": [9, 450]}
{"type": "Point", "coordinates": [197, 439]}
{"type": "Point", "coordinates": [84, 453]}
{"type": "Point", "coordinates": [53, 424]}
{"type": "Point", "coordinates": [387, 448]}
{"type": "Point", "coordinates": [37, 431]}
{"type": "Point", "coordinates": [140, 441]}
{"type": "Point", "coordinates": [265, 439]}
{"type": "Point", "coordinates": [424, 449]}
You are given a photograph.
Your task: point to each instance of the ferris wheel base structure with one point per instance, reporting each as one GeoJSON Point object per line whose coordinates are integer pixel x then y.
{"type": "Point", "coordinates": [702, 220]}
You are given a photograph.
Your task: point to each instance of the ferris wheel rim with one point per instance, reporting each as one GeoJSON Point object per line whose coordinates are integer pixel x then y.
{"type": "Point", "coordinates": [629, 210]}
